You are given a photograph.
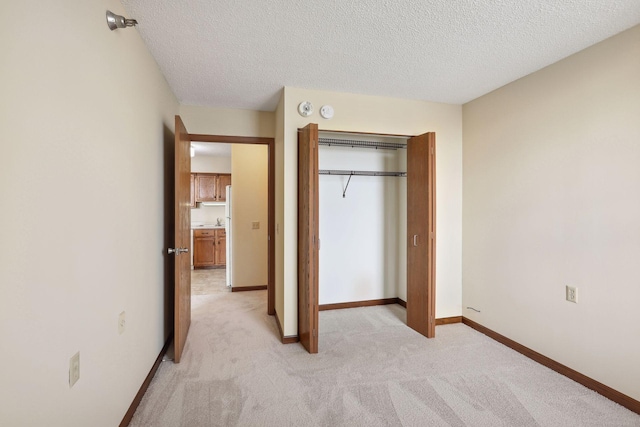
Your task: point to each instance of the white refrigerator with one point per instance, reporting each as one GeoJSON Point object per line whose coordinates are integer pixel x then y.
{"type": "Point", "coordinates": [227, 228]}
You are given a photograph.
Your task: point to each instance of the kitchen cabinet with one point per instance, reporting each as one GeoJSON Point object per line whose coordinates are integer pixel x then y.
{"type": "Point", "coordinates": [206, 189]}
{"type": "Point", "coordinates": [210, 187]}
{"type": "Point", "coordinates": [221, 248]}
{"type": "Point", "coordinates": [224, 179]}
{"type": "Point", "coordinates": [192, 185]}
{"type": "Point", "coordinates": [209, 248]}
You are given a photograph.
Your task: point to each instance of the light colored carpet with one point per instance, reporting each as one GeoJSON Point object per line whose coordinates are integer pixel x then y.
{"type": "Point", "coordinates": [371, 371]}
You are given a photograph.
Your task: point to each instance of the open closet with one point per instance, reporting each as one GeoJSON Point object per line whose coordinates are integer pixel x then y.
{"type": "Point", "coordinates": [366, 225]}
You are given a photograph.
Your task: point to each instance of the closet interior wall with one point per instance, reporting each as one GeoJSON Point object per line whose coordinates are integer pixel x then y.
{"type": "Point", "coordinates": [362, 235]}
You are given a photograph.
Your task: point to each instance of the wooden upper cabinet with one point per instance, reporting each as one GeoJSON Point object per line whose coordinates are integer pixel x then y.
{"type": "Point", "coordinates": [206, 185]}
{"type": "Point", "coordinates": [224, 179]}
{"type": "Point", "coordinates": [211, 187]}
{"type": "Point", "coordinates": [193, 190]}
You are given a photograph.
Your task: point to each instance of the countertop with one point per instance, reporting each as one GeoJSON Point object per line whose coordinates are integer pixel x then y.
{"type": "Point", "coordinates": [206, 226]}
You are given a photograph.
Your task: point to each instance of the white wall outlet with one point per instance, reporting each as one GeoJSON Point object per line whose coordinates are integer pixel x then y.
{"type": "Point", "coordinates": [74, 369]}
{"type": "Point", "coordinates": [121, 323]}
{"type": "Point", "coordinates": [255, 225]}
{"type": "Point", "coordinates": [572, 294]}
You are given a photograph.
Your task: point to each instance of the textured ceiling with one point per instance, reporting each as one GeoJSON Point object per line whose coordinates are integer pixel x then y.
{"type": "Point", "coordinates": [240, 53]}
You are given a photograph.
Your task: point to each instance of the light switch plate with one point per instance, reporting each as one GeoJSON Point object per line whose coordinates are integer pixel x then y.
{"type": "Point", "coordinates": [255, 225]}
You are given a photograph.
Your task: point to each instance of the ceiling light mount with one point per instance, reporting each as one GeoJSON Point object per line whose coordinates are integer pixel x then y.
{"type": "Point", "coordinates": [118, 21]}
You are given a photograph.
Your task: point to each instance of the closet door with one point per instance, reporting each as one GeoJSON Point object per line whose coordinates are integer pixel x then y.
{"type": "Point", "coordinates": [308, 237]}
{"type": "Point", "coordinates": [421, 229]}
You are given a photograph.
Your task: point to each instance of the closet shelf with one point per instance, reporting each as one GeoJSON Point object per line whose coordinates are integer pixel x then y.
{"type": "Point", "coordinates": [359, 173]}
{"type": "Point", "coordinates": [361, 144]}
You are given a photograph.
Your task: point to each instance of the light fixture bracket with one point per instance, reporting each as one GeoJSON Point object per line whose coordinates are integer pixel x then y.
{"type": "Point", "coordinates": [118, 21]}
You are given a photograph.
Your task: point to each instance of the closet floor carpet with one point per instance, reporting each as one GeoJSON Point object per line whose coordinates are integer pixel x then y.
{"type": "Point", "coordinates": [372, 370]}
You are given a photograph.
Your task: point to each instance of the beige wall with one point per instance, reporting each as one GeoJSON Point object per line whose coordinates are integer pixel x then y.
{"type": "Point", "coordinates": [249, 171]}
{"type": "Point", "coordinates": [212, 164]}
{"type": "Point", "coordinates": [361, 113]}
{"type": "Point", "coordinates": [226, 121]}
{"type": "Point", "coordinates": [279, 154]}
{"type": "Point", "coordinates": [87, 146]}
{"type": "Point", "coordinates": [552, 198]}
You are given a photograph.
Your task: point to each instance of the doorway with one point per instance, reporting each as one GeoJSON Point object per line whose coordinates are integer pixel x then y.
{"type": "Point", "coordinates": [270, 143]}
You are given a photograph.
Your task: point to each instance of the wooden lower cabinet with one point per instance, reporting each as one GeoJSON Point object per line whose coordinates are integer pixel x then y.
{"type": "Point", "coordinates": [221, 248]}
{"type": "Point", "coordinates": [209, 248]}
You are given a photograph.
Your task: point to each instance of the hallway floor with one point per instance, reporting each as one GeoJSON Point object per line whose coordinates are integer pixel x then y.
{"type": "Point", "coordinates": [208, 281]}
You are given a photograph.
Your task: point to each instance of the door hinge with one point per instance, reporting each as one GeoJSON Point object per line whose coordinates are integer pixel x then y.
{"type": "Point", "coordinates": [432, 234]}
{"type": "Point", "coordinates": [432, 152]}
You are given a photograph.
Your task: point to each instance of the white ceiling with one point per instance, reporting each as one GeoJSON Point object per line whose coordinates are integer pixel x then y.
{"type": "Point", "coordinates": [240, 53]}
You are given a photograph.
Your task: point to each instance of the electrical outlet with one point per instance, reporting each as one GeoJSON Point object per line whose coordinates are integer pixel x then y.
{"type": "Point", "coordinates": [255, 225]}
{"type": "Point", "coordinates": [121, 323]}
{"type": "Point", "coordinates": [74, 369]}
{"type": "Point", "coordinates": [572, 294]}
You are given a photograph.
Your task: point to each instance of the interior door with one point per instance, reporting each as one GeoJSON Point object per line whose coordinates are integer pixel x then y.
{"type": "Point", "coordinates": [308, 237]}
{"type": "Point", "coordinates": [421, 233]}
{"type": "Point", "coordinates": [182, 240]}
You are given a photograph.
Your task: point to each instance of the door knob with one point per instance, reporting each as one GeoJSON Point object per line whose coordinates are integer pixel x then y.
{"type": "Point", "coordinates": [177, 251]}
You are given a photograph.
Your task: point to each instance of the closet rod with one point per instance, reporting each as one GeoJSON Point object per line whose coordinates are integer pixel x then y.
{"type": "Point", "coordinates": [359, 173]}
{"type": "Point", "coordinates": [361, 144]}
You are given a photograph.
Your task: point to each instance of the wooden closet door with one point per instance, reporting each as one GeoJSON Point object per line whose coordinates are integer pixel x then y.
{"type": "Point", "coordinates": [308, 237]}
{"type": "Point", "coordinates": [421, 230]}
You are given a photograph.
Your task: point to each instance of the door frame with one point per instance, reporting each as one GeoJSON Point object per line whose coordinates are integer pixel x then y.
{"type": "Point", "coordinates": [271, 227]}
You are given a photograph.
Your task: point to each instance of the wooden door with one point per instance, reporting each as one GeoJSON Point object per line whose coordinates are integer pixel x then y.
{"type": "Point", "coordinates": [308, 237]}
{"type": "Point", "coordinates": [182, 240]}
{"type": "Point", "coordinates": [421, 229]}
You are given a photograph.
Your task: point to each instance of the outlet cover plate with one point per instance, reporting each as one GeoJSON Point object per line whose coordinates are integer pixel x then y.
{"type": "Point", "coordinates": [74, 369]}
{"type": "Point", "coordinates": [121, 322]}
{"type": "Point", "coordinates": [572, 294]}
